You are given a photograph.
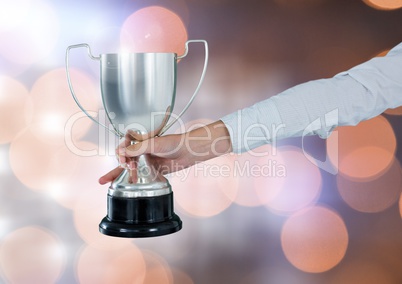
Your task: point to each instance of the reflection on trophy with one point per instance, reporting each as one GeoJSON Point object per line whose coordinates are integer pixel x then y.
{"type": "Point", "coordinates": [138, 92]}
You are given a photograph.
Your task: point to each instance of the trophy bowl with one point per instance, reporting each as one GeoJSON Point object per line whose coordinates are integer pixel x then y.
{"type": "Point", "coordinates": [138, 92]}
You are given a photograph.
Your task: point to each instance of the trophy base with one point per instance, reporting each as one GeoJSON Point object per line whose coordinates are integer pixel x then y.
{"type": "Point", "coordinates": [140, 217]}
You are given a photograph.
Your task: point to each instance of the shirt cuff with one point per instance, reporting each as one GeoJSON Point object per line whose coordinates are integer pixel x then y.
{"type": "Point", "coordinates": [254, 126]}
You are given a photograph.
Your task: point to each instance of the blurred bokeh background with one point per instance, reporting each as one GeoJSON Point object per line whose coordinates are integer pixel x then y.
{"type": "Point", "coordinates": [277, 217]}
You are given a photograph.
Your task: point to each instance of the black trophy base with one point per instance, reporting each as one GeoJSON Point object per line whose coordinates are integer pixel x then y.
{"type": "Point", "coordinates": [140, 217]}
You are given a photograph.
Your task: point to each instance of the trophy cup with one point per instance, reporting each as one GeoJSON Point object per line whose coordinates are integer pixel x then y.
{"type": "Point", "coordinates": [138, 90]}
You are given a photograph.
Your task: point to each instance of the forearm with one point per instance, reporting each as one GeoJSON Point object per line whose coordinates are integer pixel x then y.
{"type": "Point", "coordinates": [208, 142]}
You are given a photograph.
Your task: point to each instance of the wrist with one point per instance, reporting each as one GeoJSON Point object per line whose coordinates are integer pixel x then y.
{"type": "Point", "coordinates": [208, 142]}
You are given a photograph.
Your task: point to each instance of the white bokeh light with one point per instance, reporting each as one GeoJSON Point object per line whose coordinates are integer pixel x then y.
{"type": "Point", "coordinates": [34, 36]}
{"type": "Point", "coordinates": [12, 13]}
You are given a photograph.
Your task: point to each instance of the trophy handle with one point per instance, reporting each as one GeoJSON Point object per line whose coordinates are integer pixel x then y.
{"type": "Point", "coordinates": [70, 85]}
{"type": "Point", "coordinates": [198, 86]}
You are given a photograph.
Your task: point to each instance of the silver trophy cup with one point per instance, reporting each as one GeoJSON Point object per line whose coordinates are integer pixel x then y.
{"type": "Point", "coordinates": [138, 93]}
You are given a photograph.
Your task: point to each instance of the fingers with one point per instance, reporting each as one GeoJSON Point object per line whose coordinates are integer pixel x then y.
{"type": "Point", "coordinates": [122, 146]}
{"type": "Point", "coordinates": [134, 135]}
{"type": "Point", "coordinates": [110, 176]}
{"type": "Point", "coordinates": [164, 146]}
{"type": "Point", "coordinates": [137, 149]}
{"type": "Point", "coordinates": [129, 138]}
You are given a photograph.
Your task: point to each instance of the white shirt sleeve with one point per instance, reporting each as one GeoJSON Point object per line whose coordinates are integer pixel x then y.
{"type": "Point", "coordinates": [318, 107]}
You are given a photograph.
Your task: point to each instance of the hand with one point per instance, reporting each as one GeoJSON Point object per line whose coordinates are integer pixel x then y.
{"type": "Point", "coordinates": [174, 152]}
